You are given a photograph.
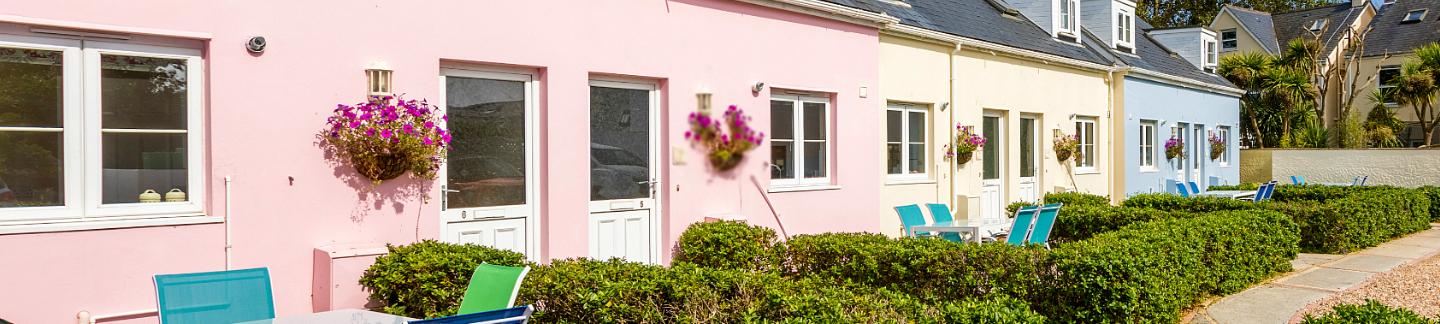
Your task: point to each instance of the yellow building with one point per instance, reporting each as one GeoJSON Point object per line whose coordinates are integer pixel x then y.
{"type": "Point", "coordinates": [1399, 28]}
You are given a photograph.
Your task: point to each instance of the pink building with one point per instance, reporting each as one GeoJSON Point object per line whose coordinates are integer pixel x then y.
{"type": "Point", "coordinates": [569, 120]}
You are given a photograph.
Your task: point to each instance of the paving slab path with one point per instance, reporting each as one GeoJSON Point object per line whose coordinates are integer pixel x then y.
{"type": "Point", "coordinates": [1316, 277]}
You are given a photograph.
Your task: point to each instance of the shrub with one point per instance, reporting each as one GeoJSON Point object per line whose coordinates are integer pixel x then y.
{"type": "Point", "coordinates": [1365, 218]}
{"type": "Point", "coordinates": [1076, 199]}
{"type": "Point", "coordinates": [1370, 312]}
{"type": "Point", "coordinates": [933, 270]}
{"type": "Point", "coordinates": [1015, 206]}
{"type": "Point", "coordinates": [1149, 272]}
{"type": "Point", "coordinates": [1200, 204]}
{"type": "Point", "coordinates": [428, 278]}
{"type": "Point", "coordinates": [1434, 193]}
{"type": "Point", "coordinates": [1001, 309]}
{"type": "Point", "coordinates": [726, 245]}
{"type": "Point", "coordinates": [1315, 193]}
{"type": "Point", "coordinates": [1082, 222]}
{"type": "Point", "coordinates": [1242, 186]}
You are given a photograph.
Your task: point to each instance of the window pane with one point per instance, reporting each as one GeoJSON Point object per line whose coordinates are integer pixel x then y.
{"type": "Point", "coordinates": [917, 127]}
{"type": "Point", "coordinates": [782, 159]}
{"type": "Point", "coordinates": [1089, 144]}
{"type": "Point", "coordinates": [1027, 147]}
{"type": "Point", "coordinates": [917, 158]}
{"type": "Point", "coordinates": [893, 156]}
{"type": "Point", "coordinates": [782, 119]}
{"type": "Point", "coordinates": [31, 169]}
{"type": "Point", "coordinates": [133, 163]}
{"type": "Point", "coordinates": [990, 130]}
{"type": "Point", "coordinates": [619, 143]}
{"type": "Point", "coordinates": [815, 159]}
{"type": "Point", "coordinates": [815, 120]}
{"type": "Point", "coordinates": [893, 126]}
{"type": "Point", "coordinates": [30, 88]}
{"type": "Point", "coordinates": [486, 164]}
{"type": "Point", "coordinates": [142, 92]}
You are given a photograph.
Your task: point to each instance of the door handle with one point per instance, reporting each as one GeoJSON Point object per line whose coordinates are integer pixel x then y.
{"type": "Point", "coordinates": [445, 197]}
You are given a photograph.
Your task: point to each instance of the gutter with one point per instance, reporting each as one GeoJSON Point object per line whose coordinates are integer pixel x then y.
{"type": "Point", "coordinates": [829, 10]}
{"type": "Point", "coordinates": [979, 45]}
{"type": "Point", "coordinates": [1178, 81]}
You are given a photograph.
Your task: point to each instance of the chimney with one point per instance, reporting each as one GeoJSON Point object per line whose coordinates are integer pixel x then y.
{"type": "Point", "coordinates": [1113, 21]}
{"type": "Point", "coordinates": [1197, 45]}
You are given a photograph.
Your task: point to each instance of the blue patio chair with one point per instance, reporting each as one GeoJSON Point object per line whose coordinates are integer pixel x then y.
{"type": "Point", "coordinates": [1297, 180]}
{"type": "Point", "coordinates": [1180, 188]}
{"type": "Point", "coordinates": [941, 213]}
{"type": "Point", "coordinates": [215, 297]}
{"type": "Point", "coordinates": [513, 315]}
{"type": "Point", "coordinates": [1020, 230]}
{"type": "Point", "coordinates": [1263, 193]}
{"type": "Point", "coordinates": [1043, 224]}
{"type": "Point", "coordinates": [910, 216]}
{"type": "Point", "coordinates": [1194, 188]}
{"type": "Point", "coordinates": [1270, 190]}
{"type": "Point", "coordinates": [1363, 179]}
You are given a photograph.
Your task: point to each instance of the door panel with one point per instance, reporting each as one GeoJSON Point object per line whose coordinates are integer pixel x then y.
{"type": "Point", "coordinates": [992, 188]}
{"type": "Point", "coordinates": [505, 234]}
{"type": "Point", "coordinates": [489, 174]}
{"type": "Point", "coordinates": [623, 172]}
{"type": "Point", "coordinates": [1029, 163]}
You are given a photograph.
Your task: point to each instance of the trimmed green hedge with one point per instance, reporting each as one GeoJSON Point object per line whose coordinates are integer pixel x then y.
{"type": "Point", "coordinates": [1434, 193]}
{"type": "Point", "coordinates": [1149, 272]}
{"type": "Point", "coordinates": [1370, 312]}
{"type": "Point", "coordinates": [1082, 222]}
{"type": "Point", "coordinates": [1362, 219]}
{"type": "Point", "coordinates": [1172, 202]}
{"type": "Point", "coordinates": [931, 269]}
{"type": "Point", "coordinates": [427, 279]}
{"type": "Point", "coordinates": [1071, 199]}
{"type": "Point", "coordinates": [727, 245]}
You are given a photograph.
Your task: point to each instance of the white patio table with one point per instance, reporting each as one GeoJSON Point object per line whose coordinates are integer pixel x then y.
{"type": "Point", "coordinates": [1232, 194]}
{"type": "Point", "coordinates": [341, 316]}
{"type": "Point", "coordinates": [971, 226]}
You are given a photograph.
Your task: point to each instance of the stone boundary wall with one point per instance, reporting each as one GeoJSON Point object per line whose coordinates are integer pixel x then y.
{"type": "Point", "coordinates": [1396, 167]}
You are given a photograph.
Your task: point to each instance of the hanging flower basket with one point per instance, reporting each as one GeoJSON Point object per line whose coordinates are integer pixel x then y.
{"type": "Point", "coordinates": [725, 142]}
{"type": "Point", "coordinates": [387, 137]}
{"type": "Point", "coordinates": [966, 142]}
{"type": "Point", "coordinates": [1066, 147]}
{"type": "Point", "coordinates": [1174, 147]}
{"type": "Point", "coordinates": [1217, 146]}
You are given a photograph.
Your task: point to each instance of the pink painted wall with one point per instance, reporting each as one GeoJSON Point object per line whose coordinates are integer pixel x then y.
{"type": "Point", "coordinates": [264, 111]}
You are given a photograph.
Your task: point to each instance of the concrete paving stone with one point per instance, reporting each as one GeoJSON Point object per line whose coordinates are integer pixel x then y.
{"type": "Point", "coordinates": [1309, 260]}
{"type": "Point", "coordinates": [1368, 263]}
{"type": "Point", "coordinates": [1265, 304]}
{"type": "Point", "coordinates": [1428, 233]}
{"type": "Point", "coordinates": [1399, 250]}
{"type": "Point", "coordinates": [1430, 242]}
{"type": "Point", "coordinates": [1326, 278]}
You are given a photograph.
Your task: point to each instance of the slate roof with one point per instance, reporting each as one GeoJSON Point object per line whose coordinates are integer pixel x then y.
{"type": "Point", "coordinates": [1153, 56]}
{"type": "Point", "coordinates": [1259, 23]}
{"type": "Point", "coordinates": [1296, 24]}
{"type": "Point", "coordinates": [980, 20]}
{"type": "Point", "coordinates": [1390, 35]}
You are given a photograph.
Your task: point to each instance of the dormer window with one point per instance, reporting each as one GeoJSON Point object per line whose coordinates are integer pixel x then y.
{"type": "Point", "coordinates": [1317, 25]}
{"type": "Point", "coordinates": [1414, 16]}
{"type": "Point", "coordinates": [1125, 30]}
{"type": "Point", "coordinates": [1069, 17]}
{"type": "Point", "coordinates": [1212, 56]}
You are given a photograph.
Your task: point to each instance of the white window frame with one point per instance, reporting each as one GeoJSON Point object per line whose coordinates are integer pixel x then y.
{"type": "Point", "coordinates": [799, 142]}
{"type": "Point", "coordinates": [1080, 134]}
{"type": "Point", "coordinates": [905, 109]}
{"type": "Point", "coordinates": [1148, 141]}
{"type": "Point", "coordinates": [1232, 43]}
{"type": "Point", "coordinates": [1224, 133]}
{"type": "Point", "coordinates": [1068, 18]}
{"type": "Point", "coordinates": [1382, 87]}
{"type": "Point", "coordinates": [1125, 29]}
{"type": "Point", "coordinates": [1212, 56]}
{"type": "Point", "coordinates": [83, 207]}
{"type": "Point", "coordinates": [1407, 19]}
{"type": "Point", "coordinates": [1318, 25]}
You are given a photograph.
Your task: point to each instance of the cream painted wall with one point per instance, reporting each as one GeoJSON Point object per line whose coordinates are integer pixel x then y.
{"type": "Point", "coordinates": [915, 72]}
{"type": "Point", "coordinates": [1395, 167]}
{"type": "Point", "coordinates": [1015, 87]}
{"type": "Point", "coordinates": [1244, 41]}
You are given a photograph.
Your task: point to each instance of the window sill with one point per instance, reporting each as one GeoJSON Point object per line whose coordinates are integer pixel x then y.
{"type": "Point", "coordinates": [1087, 170]}
{"type": "Point", "coordinates": [901, 182]}
{"type": "Point", "coordinates": [68, 225]}
{"type": "Point", "coordinates": [1149, 170]}
{"type": "Point", "coordinates": [802, 188]}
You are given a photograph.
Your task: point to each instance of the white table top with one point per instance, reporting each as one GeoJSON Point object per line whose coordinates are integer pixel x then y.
{"type": "Point", "coordinates": [341, 316]}
{"type": "Point", "coordinates": [1228, 193]}
{"type": "Point", "coordinates": [962, 224]}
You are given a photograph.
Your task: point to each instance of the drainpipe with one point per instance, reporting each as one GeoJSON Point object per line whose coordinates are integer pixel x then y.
{"type": "Point", "coordinates": [950, 113]}
{"type": "Point", "coordinates": [227, 223]}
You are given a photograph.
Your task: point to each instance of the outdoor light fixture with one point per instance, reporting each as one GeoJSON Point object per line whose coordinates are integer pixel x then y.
{"type": "Point", "coordinates": [379, 81]}
{"type": "Point", "coordinates": [256, 44]}
{"type": "Point", "coordinates": [757, 87]}
{"type": "Point", "coordinates": [944, 106]}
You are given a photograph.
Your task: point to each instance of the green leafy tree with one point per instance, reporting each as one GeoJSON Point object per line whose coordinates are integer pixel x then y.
{"type": "Point", "coordinates": [1176, 13]}
{"type": "Point", "coordinates": [1417, 87]}
{"type": "Point", "coordinates": [1381, 125]}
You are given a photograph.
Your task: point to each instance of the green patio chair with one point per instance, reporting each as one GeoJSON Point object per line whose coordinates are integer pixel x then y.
{"type": "Point", "coordinates": [492, 287]}
{"type": "Point", "coordinates": [1043, 224]}
{"type": "Point", "coordinates": [215, 297]}
{"type": "Point", "coordinates": [941, 213]}
{"type": "Point", "coordinates": [910, 216]}
{"type": "Point", "coordinates": [1020, 229]}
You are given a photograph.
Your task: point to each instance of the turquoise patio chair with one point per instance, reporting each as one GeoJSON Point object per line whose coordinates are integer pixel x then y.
{"type": "Point", "coordinates": [910, 216]}
{"type": "Point", "coordinates": [1180, 188]}
{"type": "Point", "coordinates": [215, 297]}
{"type": "Point", "coordinates": [492, 287]}
{"type": "Point", "coordinates": [1043, 224]}
{"type": "Point", "coordinates": [1297, 180]}
{"type": "Point", "coordinates": [513, 315]}
{"type": "Point", "coordinates": [1194, 188]}
{"type": "Point", "coordinates": [941, 213]}
{"type": "Point", "coordinates": [1020, 230]}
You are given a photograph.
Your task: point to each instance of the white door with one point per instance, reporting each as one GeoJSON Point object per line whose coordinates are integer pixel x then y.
{"type": "Point", "coordinates": [491, 172]}
{"type": "Point", "coordinates": [1180, 163]}
{"type": "Point", "coordinates": [992, 183]}
{"type": "Point", "coordinates": [1029, 159]}
{"type": "Point", "coordinates": [1198, 155]}
{"type": "Point", "coordinates": [624, 173]}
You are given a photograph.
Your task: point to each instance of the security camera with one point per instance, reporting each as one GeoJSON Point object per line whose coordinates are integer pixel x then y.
{"type": "Point", "coordinates": [256, 44]}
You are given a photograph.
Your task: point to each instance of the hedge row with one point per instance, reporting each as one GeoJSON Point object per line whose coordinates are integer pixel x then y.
{"type": "Point", "coordinates": [1070, 199]}
{"type": "Point", "coordinates": [1079, 223]}
{"type": "Point", "coordinates": [1370, 312]}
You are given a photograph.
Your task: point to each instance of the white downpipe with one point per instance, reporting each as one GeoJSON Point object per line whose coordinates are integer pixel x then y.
{"type": "Point", "coordinates": [227, 223]}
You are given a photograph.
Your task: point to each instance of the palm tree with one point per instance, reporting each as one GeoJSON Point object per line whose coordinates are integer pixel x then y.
{"type": "Point", "coordinates": [1381, 125]}
{"type": "Point", "coordinates": [1416, 87]}
{"type": "Point", "coordinates": [1247, 71]}
{"type": "Point", "coordinates": [1291, 88]}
